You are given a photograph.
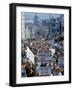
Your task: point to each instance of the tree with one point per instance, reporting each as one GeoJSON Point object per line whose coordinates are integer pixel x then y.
{"type": "Point", "coordinates": [59, 38]}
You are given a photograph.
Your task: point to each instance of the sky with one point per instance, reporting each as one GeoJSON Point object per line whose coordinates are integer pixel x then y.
{"type": "Point", "coordinates": [30, 15]}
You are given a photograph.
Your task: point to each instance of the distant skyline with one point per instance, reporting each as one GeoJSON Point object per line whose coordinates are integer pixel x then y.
{"type": "Point", "coordinates": [30, 15]}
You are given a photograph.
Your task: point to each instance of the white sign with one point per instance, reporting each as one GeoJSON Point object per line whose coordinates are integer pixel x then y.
{"type": "Point", "coordinates": [30, 55]}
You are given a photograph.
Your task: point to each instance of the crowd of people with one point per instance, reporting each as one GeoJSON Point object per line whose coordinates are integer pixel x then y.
{"type": "Point", "coordinates": [55, 67]}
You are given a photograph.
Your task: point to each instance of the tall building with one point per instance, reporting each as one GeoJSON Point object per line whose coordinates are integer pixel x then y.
{"type": "Point", "coordinates": [23, 26]}
{"type": "Point", "coordinates": [36, 20]}
{"type": "Point", "coordinates": [45, 28]}
{"type": "Point", "coordinates": [62, 22]}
